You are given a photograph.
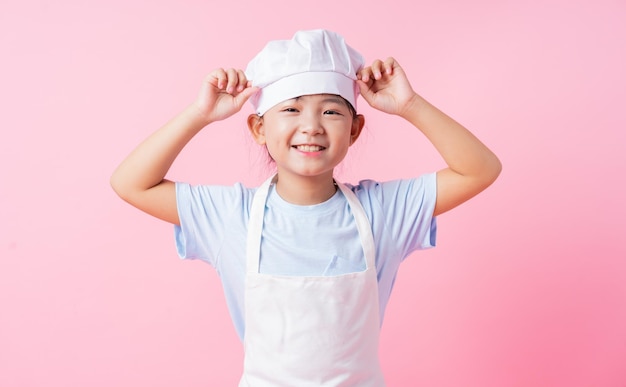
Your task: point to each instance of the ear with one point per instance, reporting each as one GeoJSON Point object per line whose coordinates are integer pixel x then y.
{"type": "Point", "coordinates": [357, 127]}
{"type": "Point", "coordinates": [255, 125]}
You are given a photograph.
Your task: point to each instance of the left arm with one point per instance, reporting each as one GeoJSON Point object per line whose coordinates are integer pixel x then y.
{"type": "Point", "coordinates": [471, 166]}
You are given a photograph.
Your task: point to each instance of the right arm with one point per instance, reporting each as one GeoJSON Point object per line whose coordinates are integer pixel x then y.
{"type": "Point", "coordinates": [140, 178]}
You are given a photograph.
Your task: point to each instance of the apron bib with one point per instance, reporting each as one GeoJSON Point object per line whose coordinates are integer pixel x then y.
{"type": "Point", "coordinates": [310, 331]}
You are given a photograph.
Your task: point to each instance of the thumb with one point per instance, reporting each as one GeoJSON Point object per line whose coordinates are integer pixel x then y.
{"type": "Point", "coordinates": [366, 91]}
{"type": "Point", "coordinates": [245, 94]}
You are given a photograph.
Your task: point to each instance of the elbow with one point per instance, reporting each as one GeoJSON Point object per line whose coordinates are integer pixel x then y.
{"type": "Point", "coordinates": [497, 167]}
{"type": "Point", "coordinates": [488, 172]}
{"type": "Point", "coordinates": [115, 185]}
{"type": "Point", "coordinates": [118, 186]}
{"type": "Point", "coordinates": [493, 170]}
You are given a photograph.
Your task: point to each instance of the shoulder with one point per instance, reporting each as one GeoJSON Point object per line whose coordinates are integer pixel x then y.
{"type": "Point", "coordinates": [234, 190]}
{"type": "Point", "coordinates": [214, 197]}
{"type": "Point", "coordinates": [368, 189]}
{"type": "Point", "coordinates": [401, 212]}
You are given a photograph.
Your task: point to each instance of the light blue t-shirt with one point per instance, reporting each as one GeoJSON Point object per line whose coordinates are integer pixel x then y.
{"type": "Point", "coordinates": [316, 240]}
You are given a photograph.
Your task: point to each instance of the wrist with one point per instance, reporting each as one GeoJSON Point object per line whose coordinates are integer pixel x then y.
{"type": "Point", "coordinates": [412, 108]}
{"type": "Point", "coordinates": [197, 116]}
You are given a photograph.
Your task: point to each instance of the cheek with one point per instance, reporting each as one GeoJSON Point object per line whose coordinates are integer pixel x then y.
{"type": "Point", "coordinates": [272, 148]}
{"type": "Point", "coordinates": [277, 138]}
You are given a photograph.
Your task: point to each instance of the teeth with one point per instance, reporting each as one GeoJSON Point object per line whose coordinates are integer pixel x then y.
{"type": "Point", "coordinates": [309, 148]}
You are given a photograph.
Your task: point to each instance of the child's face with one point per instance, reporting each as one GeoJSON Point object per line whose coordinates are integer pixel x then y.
{"type": "Point", "coordinates": [308, 135]}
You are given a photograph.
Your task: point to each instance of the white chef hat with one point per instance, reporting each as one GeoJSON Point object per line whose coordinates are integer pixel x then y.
{"type": "Point", "coordinates": [312, 62]}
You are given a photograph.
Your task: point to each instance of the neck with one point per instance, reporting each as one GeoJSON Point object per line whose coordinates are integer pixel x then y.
{"type": "Point", "coordinates": [304, 190]}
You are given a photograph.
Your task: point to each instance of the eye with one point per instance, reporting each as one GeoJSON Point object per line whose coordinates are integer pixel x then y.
{"type": "Point", "coordinates": [290, 110]}
{"type": "Point", "coordinates": [332, 112]}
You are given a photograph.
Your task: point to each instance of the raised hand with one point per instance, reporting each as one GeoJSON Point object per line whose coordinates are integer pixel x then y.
{"type": "Point", "coordinates": [140, 178]}
{"type": "Point", "coordinates": [223, 94]}
{"type": "Point", "coordinates": [471, 166]}
{"type": "Point", "coordinates": [385, 87]}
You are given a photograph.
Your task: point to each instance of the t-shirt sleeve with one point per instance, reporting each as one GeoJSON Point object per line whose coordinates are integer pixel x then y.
{"type": "Point", "coordinates": [407, 207]}
{"type": "Point", "coordinates": [205, 213]}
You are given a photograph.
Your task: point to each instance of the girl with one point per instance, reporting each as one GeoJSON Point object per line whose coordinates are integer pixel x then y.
{"type": "Point", "coordinates": [307, 263]}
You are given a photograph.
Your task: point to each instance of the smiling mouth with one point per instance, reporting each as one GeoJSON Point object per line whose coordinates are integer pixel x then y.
{"type": "Point", "coordinates": [309, 148]}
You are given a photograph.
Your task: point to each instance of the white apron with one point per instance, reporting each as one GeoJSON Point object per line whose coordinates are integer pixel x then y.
{"type": "Point", "coordinates": [310, 331]}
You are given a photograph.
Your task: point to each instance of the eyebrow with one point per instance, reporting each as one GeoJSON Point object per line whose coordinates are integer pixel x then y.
{"type": "Point", "coordinates": [333, 99]}
{"type": "Point", "coordinates": [330, 98]}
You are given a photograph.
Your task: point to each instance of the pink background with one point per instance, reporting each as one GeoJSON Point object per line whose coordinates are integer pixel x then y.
{"type": "Point", "coordinates": [526, 288]}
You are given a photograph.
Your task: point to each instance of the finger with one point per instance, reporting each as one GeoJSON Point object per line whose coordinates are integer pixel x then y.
{"type": "Point", "coordinates": [365, 74]}
{"type": "Point", "coordinates": [233, 80]}
{"type": "Point", "coordinates": [217, 78]}
{"type": "Point", "coordinates": [242, 80]}
{"type": "Point", "coordinates": [389, 65]}
{"type": "Point", "coordinates": [377, 66]}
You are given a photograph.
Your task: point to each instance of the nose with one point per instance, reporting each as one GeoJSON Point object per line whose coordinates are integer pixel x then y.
{"type": "Point", "coordinates": [311, 124]}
